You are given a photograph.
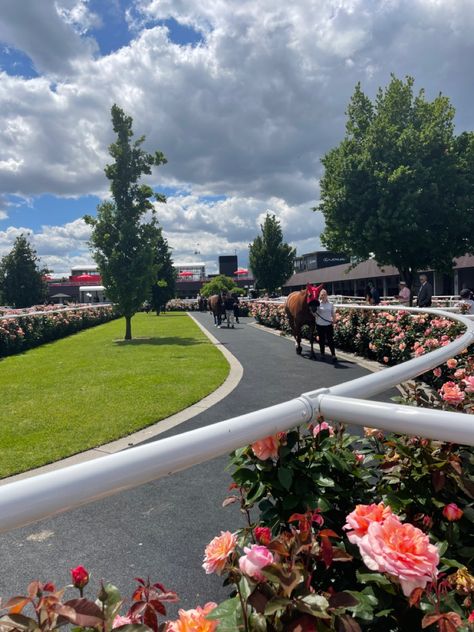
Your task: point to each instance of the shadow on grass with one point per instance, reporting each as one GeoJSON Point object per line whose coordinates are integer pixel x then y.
{"type": "Point", "coordinates": [165, 340]}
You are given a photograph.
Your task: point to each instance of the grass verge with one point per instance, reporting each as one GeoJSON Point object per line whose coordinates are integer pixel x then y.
{"type": "Point", "coordinates": [91, 388]}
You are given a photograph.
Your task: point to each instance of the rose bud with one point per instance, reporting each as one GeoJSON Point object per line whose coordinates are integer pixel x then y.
{"type": "Point", "coordinates": [80, 577]}
{"type": "Point", "coordinates": [263, 535]}
{"type": "Point", "coordinates": [452, 512]}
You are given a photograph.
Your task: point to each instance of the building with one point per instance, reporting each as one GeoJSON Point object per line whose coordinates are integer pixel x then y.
{"type": "Point", "coordinates": [228, 265]}
{"type": "Point", "coordinates": [190, 270]}
{"type": "Point", "coordinates": [319, 259]}
{"type": "Point", "coordinates": [352, 280]}
{"type": "Point", "coordinates": [83, 286]}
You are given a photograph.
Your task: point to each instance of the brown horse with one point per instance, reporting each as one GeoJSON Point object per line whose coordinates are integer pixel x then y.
{"type": "Point", "coordinates": [216, 307]}
{"type": "Point", "coordinates": [300, 307]}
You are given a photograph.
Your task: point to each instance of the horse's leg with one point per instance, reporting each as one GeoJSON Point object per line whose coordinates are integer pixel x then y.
{"type": "Point", "coordinates": [299, 349]}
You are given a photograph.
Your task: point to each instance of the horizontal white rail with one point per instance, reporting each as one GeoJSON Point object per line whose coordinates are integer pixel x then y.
{"type": "Point", "coordinates": [55, 311]}
{"type": "Point", "coordinates": [31, 499]}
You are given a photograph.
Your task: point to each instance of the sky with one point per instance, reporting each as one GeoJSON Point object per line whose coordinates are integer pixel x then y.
{"type": "Point", "coordinates": [243, 97]}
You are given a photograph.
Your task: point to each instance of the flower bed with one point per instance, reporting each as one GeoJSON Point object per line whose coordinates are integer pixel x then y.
{"type": "Point", "coordinates": [313, 555]}
{"type": "Point", "coordinates": [31, 330]}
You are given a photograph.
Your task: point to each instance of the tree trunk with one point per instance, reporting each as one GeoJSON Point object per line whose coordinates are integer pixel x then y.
{"type": "Point", "coordinates": [128, 327]}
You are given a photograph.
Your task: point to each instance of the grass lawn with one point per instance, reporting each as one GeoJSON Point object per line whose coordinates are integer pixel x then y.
{"type": "Point", "coordinates": [91, 388]}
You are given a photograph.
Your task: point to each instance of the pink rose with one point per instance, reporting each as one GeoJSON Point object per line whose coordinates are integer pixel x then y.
{"type": "Point", "coordinates": [452, 363]}
{"type": "Point", "coordinates": [323, 426]}
{"type": "Point", "coordinates": [437, 372]}
{"type": "Point", "coordinates": [469, 384]}
{"type": "Point", "coordinates": [452, 512]}
{"type": "Point", "coordinates": [256, 558]}
{"type": "Point", "coordinates": [217, 552]}
{"type": "Point", "coordinates": [460, 374]}
{"type": "Point", "coordinates": [451, 393]}
{"type": "Point", "coordinates": [401, 550]}
{"type": "Point", "coordinates": [358, 521]}
{"type": "Point", "coordinates": [194, 620]}
{"type": "Point", "coordinates": [266, 448]}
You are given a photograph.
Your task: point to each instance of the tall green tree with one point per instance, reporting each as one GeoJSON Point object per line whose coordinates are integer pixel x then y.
{"type": "Point", "coordinates": [400, 185]}
{"type": "Point", "coordinates": [220, 283]}
{"type": "Point", "coordinates": [270, 258]}
{"type": "Point", "coordinates": [122, 241]}
{"type": "Point", "coordinates": [164, 286]}
{"type": "Point", "coordinates": [21, 276]}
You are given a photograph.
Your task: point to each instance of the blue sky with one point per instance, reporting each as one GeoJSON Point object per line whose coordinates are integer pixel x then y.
{"type": "Point", "coordinates": [243, 98]}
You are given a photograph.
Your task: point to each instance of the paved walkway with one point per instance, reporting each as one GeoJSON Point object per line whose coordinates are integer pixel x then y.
{"type": "Point", "coordinates": [161, 529]}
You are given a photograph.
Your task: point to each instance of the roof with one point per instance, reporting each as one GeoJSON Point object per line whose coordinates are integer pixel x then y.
{"type": "Point", "coordinates": [343, 272]}
{"type": "Point", "coordinates": [364, 270]}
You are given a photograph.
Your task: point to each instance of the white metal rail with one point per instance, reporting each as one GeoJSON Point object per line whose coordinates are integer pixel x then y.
{"type": "Point", "coordinates": [78, 308]}
{"type": "Point", "coordinates": [26, 501]}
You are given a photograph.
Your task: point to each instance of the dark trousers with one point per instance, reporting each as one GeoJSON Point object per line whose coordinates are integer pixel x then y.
{"type": "Point", "coordinates": [326, 336]}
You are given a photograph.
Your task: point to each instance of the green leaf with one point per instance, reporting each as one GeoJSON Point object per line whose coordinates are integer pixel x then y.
{"type": "Point", "coordinates": [285, 476]}
{"type": "Point", "coordinates": [276, 605]}
{"type": "Point", "coordinates": [375, 578]}
{"type": "Point", "coordinates": [323, 481]}
{"type": "Point", "coordinates": [224, 609]}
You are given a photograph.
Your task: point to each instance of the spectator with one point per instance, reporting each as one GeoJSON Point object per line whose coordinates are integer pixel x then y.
{"type": "Point", "coordinates": [404, 293]}
{"type": "Point", "coordinates": [229, 303]}
{"type": "Point", "coordinates": [236, 307]}
{"type": "Point", "coordinates": [324, 325]}
{"type": "Point", "coordinates": [373, 295]}
{"type": "Point", "coordinates": [466, 303]}
{"type": "Point", "coordinates": [425, 293]}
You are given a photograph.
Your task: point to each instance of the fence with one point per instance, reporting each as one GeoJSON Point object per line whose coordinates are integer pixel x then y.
{"type": "Point", "coordinates": [25, 501]}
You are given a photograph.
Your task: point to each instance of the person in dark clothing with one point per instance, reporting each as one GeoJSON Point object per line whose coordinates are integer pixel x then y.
{"type": "Point", "coordinates": [229, 310]}
{"type": "Point", "coordinates": [374, 296]}
{"type": "Point", "coordinates": [425, 293]}
{"type": "Point", "coordinates": [236, 307]}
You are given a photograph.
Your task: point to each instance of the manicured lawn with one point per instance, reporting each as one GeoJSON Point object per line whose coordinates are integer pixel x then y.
{"type": "Point", "coordinates": [91, 388]}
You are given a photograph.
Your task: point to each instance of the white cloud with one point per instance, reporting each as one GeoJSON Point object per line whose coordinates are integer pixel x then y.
{"type": "Point", "coordinates": [247, 113]}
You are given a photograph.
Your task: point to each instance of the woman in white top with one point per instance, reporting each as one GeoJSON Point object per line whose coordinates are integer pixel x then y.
{"type": "Point", "coordinates": [324, 325]}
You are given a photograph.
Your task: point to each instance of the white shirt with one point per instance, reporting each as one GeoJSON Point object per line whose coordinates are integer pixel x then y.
{"type": "Point", "coordinates": [325, 314]}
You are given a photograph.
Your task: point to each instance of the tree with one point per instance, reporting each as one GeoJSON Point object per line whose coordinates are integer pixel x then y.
{"type": "Point", "coordinates": [21, 277]}
{"type": "Point", "coordinates": [219, 284]}
{"type": "Point", "coordinates": [400, 185]}
{"type": "Point", "coordinates": [270, 258]}
{"type": "Point", "coordinates": [122, 242]}
{"type": "Point", "coordinates": [164, 286]}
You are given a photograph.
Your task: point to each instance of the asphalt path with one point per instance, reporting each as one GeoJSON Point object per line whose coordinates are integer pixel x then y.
{"type": "Point", "coordinates": [160, 529]}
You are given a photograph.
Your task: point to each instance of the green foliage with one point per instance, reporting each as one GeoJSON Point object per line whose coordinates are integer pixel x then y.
{"type": "Point", "coordinates": [399, 186]}
{"type": "Point", "coordinates": [218, 284]}
{"type": "Point", "coordinates": [123, 243]}
{"type": "Point", "coordinates": [21, 278]}
{"type": "Point", "coordinates": [270, 258]}
{"type": "Point", "coordinates": [164, 287]}
{"type": "Point", "coordinates": [305, 484]}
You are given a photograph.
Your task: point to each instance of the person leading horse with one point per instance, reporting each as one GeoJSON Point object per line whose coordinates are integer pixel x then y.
{"type": "Point", "coordinates": [300, 308]}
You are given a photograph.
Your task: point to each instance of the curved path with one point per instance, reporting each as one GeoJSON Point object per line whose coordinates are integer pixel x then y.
{"type": "Point", "coordinates": [161, 529]}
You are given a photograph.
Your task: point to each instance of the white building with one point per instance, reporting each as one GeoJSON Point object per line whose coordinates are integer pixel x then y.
{"type": "Point", "coordinates": [192, 270]}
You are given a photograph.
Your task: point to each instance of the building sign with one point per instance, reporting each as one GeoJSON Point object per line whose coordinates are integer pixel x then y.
{"type": "Point", "coordinates": [328, 259]}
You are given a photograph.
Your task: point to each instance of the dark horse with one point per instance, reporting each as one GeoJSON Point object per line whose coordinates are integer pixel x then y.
{"type": "Point", "coordinates": [216, 307]}
{"type": "Point", "coordinates": [300, 308]}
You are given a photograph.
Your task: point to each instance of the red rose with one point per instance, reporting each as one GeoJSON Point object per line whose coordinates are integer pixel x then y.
{"type": "Point", "coordinates": [80, 577]}
{"type": "Point", "coordinates": [263, 535]}
{"type": "Point", "coordinates": [452, 512]}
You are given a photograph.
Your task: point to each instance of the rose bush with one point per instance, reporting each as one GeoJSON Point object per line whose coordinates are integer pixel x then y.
{"type": "Point", "coordinates": [31, 330]}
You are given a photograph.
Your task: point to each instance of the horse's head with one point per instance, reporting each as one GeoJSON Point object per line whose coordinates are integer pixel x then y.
{"type": "Point", "coordinates": [312, 297]}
